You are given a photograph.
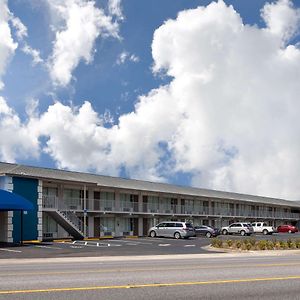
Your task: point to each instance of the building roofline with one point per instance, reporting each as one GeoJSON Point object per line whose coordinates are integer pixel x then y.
{"type": "Point", "coordinates": [137, 184]}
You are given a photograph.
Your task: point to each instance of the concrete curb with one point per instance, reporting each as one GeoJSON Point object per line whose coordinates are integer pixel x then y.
{"type": "Point", "coordinates": [268, 253]}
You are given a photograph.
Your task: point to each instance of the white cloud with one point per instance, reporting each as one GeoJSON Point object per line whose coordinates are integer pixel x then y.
{"type": "Point", "coordinates": [229, 116]}
{"type": "Point", "coordinates": [125, 56]}
{"type": "Point", "coordinates": [35, 54]}
{"type": "Point", "coordinates": [84, 23]}
{"type": "Point", "coordinates": [282, 19]}
{"type": "Point", "coordinates": [115, 9]}
{"type": "Point", "coordinates": [21, 29]}
{"type": "Point", "coordinates": [7, 44]}
{"type": "Point", "coordinates": [17, 140]}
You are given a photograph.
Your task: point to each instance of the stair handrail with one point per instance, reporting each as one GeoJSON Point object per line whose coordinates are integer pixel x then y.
{"type": "Point", "coordinates": [71, 216]}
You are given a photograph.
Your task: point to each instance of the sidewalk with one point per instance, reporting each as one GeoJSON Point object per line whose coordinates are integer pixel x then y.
{"type": "Point", "coordinates": [149, 257]}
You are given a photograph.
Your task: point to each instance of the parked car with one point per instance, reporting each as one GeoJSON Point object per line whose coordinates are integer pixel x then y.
{"type": "Point", "coordinates": [208, 231]}
{"type": "Point", "coordinates": [287, 228]}
{"type": "Point", "coordinates": [261, 227]}
{"type": "Point", "coordinates": [238, 228]}
{"type": "Point", "coordinates": [172, 229]}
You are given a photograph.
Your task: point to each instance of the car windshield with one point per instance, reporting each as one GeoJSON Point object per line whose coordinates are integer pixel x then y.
{"type": "Point", "coordinates": [189, 225]}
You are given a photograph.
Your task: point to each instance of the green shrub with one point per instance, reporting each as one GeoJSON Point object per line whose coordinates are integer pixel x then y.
{"type": "Point", "coordinates": [248, 246]}
{"type": "Point", "coordinates": [283, 245]}
{"type": "Point", "coordinates": [262, 245]}
{"type": "Point", "coordinates": [270, 245]}
{"type": "Point", "coordinates": [289, 243]}
{"type": "Point", "coordinates": [277, 245]}
{"type": "Point", "coordinates": [238, 244]}
{"type": "Point", "coordinates": [217, 243]}
{"type": "Point", "coordinates": [252, 241]}
{"type": "Point", "coordinates": [298, 244]}
{"type": "Point", "coordinates": [229, 243]}
{"type": "Point", "coordinates": [292, 245]}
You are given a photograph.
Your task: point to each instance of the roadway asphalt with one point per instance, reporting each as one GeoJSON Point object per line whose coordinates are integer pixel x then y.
{"type": "Point", "coordinates": [268, 275]}
{"type": "Point", "coordinates": [117, 247]}
{"type": "Point", "coordinates": [113, 247]}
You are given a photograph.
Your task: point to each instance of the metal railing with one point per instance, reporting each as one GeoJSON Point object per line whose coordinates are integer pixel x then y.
{"type": "Point", "coordinates": [104, 205]}
{"type": "Point", "coordinates": [53, 203]}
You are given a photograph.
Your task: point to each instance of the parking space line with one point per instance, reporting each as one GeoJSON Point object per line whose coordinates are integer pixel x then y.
{"type": "Point", "coordinates": [10, 250]}
{"type": "Point", "coordinates": [164, 245]}
{"type": "Point", "coordinates": [48, 247]}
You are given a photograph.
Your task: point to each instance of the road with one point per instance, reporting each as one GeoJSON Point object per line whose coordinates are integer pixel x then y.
{"type": "Point", "coordinates": [202, 276]}
{"type": "Point", "coordinates": [128, 247]}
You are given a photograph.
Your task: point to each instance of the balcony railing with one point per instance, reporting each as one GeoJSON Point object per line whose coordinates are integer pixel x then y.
{"type": "Point", "coordinates": [117, 206]}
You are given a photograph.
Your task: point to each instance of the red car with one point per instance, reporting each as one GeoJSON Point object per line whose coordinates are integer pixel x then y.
{"type": "Point", "coordinates": [287, 228]}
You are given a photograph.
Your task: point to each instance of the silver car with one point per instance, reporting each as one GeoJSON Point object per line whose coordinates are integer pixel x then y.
{"type": "Point", "coordinates": [172, 229]}
{"type": "Point", "coordinates": [239, 228]}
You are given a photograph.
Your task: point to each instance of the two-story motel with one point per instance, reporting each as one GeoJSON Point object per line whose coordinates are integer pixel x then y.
{"type": "Point", "coordinates": [78, 205]}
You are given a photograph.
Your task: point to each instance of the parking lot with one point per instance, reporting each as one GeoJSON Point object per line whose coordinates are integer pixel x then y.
{"type": "Point", "coordinates": [120, 247]}
{"type": "Point", "coordinates": [110, 247]}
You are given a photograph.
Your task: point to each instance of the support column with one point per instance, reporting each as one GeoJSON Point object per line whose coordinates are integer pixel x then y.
{"type": "Point", "coordinates": [140, 202]}
{"type": "Point", "coordinates": [91, 226]}
{"type": "Point", "coordinates": [40, 209]}
{"type": "Point", "coordinates": [141, 228]}
{"type": "Point", "coordinates": [84, 211]}
{"type": "Point", "coordinates": [8, 185]}
{"type": "Point", "coordinates": [117, 201]}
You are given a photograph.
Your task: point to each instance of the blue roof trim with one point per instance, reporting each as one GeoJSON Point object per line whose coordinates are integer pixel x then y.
{"type": "Point", "coordinates": [11, 201]}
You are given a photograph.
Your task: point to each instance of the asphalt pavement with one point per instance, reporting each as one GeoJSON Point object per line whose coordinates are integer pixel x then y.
{"type": "Point", "coordinates": [268, 275]}
{"type": "Point", "coordinates": [117, 247]}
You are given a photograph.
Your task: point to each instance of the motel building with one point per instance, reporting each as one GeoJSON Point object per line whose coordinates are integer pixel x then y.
{"type": "Point", "coordinates": [81, 205]}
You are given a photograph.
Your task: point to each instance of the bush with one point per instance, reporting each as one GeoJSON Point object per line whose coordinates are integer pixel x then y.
{"type": "Point", "coordinates": [248, 247]}
{"type": "Point", "coordinates": [298, 244]}
{"type": "Point", "coordinates": [238, 244]}
{"type": "Point", "coordinates": [262, 245]}
{"type": "Point", "coordinates": [252, 241]}
{"type": "Point", "coordinates": [217, 243]}
{"type": "Point", "coordinates": [283, 245]}
{"type": "Point", "coordinates": [289, 243]}
{"type": "Point", "coordinates": [270, 245]}
{"type": "Point", "coordinates": [229, 243]}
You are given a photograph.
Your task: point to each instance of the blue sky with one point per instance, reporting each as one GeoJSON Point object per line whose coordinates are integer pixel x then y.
{"type": "Point", "coordinates": [176, 91]}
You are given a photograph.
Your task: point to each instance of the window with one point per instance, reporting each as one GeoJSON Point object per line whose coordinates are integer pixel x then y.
{"type": "Point", "coordinates": [188, 225]}
{"type": "Point", "coordinates": [72, 198]}
{"type": "Point", "coordinates": [179, 225]}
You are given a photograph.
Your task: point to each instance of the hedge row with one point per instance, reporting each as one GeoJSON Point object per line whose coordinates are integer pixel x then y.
{"type": "Point", "coordinates": [252, 244]}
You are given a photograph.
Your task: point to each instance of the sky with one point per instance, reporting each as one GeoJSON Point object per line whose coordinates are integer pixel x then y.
{"type": "Point", "coordinates": [197, 93]}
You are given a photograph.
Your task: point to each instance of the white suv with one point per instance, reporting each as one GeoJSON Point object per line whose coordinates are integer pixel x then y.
{"type": "Point", "coordinates": [239, 228]}
{"type": "Point", "coordinates": [261, 227]}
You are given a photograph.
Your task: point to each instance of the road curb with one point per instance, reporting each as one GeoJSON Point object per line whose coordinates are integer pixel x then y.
{"type": "Point", "coordinates": [268, 253]}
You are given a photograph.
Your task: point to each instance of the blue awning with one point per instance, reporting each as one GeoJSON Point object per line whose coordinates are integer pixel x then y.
{"type": "Point", "coordinates": [11, 201]}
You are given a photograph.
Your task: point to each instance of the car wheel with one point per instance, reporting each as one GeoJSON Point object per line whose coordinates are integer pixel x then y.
{"type": "Point", "coordinates": [265, 232]}
{"type": "Point", "coordinates": [224, 232]}
{"type": "Point", "coordinates": [243, 232]}
{"type": "Point", "coordinates": [177, 235]}
{"type": "Point", "coordinates": [153, 234]}
{"type": "Point", "coordinates": [290, 231]}
{"type": "Point", "coordinates": [208, 234]}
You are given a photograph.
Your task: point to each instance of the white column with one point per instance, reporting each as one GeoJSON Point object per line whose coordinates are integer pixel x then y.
{"type": "Point", "coordinates": [39, 211]}
{"type": "Point", "coordinates": [91, 226]}
{"type": "Point", "coordinates": [117, 201]}
{"type": "Point", "coordinates": [84, 211]}
{"type": "Point", "coordinates": [140, 224]}
{"type": "Point", "coordinates": [8, 185]}
{"type": "Point", "coordinates": [140, 203]}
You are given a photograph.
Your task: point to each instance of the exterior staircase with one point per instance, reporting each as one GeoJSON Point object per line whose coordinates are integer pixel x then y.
{"type": "Point", "coordinates": [69, 222]}
{"type": "Point", "coordinates": [64, 216]}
